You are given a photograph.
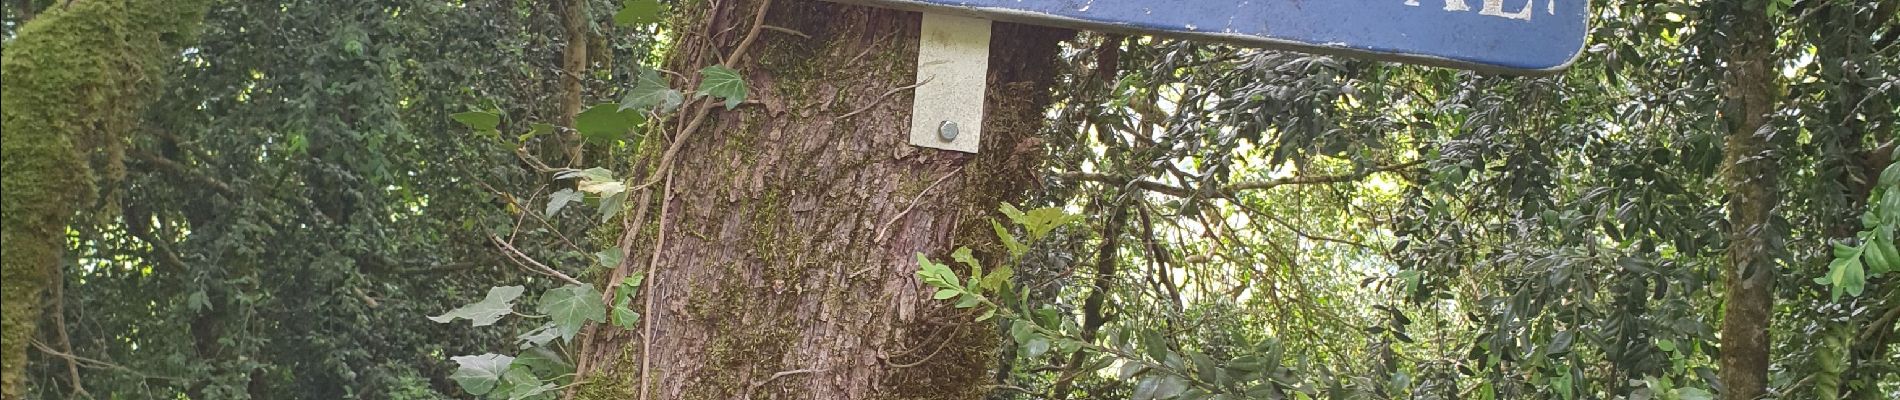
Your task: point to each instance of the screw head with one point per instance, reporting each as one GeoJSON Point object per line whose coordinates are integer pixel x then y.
{"type": "Point", "coordinates": [947, 131]}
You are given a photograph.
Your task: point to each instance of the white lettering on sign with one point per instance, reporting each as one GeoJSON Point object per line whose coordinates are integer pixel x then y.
{"type": "Point", "coordinates": [1495, 8]}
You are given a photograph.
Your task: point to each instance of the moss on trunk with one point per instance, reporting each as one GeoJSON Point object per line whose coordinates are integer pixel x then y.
{"type": "Point", "coordinates": [774, 281]}
{"type": "Point", "coordinates": [74, 80]}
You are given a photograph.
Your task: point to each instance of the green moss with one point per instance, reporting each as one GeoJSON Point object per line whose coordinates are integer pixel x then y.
{"type": "Point", "coordinates": [75, 80]}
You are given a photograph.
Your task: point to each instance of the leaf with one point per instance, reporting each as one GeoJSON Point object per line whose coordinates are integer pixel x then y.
{"type": "Point", "coordinates": [1016, 248]}
{"type": "Point", "coordinates": [478, 120]}
{"type": "Point", "coordinates": [650, 92]}
{"type": "Point", "coordinates": [1036, 346]}
{"type": "Point", "coordinates": [536, 129]}
{"type": "Point", "coordinates": [478, 374]}
{"type": "Point", "coordinates": [559, 200]}
{"type": "Point", "coordinates": [612, 204]}
{"type": "Point", "coordinates": [522, 384]}
{"type": "Point", "coordinates": [499, 302]}
{"type": "Point", "coordinates": [1846, 275]}
{"type": "Point", "coordinates": [1690, 393]}
{"type": "Point", "coordinates": [608, 258]}
{"type": "Point", "coordinates": [637, 12]}
{"type": "Point", "coordinates": [607, 122]}
{"type": "Point", "coordinates": [724, 83]}
{"type": "Point", "coordinates": [626, 318]}
{"type": "Point", "coordinates": [539, 336]}
{"type": "Point", "coordinates": [571, 307]}
{"type": "Point", "coordinates": [543, 361]}
{"type": "Point", "coordinates": [1039, 222]}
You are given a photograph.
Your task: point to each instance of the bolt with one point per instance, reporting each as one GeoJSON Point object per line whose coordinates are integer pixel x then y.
{"type": "Point", "coordinates": [947, 131]}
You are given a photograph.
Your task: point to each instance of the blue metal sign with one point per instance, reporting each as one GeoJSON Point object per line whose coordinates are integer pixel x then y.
{"type": "Point", "coordinates": [1514, 36]}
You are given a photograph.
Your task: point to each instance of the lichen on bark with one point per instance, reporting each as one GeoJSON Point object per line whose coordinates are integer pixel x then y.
{"type": "Point", "coordinates": [75, 80]}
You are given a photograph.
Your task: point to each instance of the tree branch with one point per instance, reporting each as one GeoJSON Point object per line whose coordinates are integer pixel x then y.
{"type": "Point", "coordinates": [1234, 189]}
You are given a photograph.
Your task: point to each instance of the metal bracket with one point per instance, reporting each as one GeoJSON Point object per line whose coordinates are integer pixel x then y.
{"type": "Point", "coordinates": [953, 63]}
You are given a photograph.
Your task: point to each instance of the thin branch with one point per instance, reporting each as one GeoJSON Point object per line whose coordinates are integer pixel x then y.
{"type": "Point", "coordinates": [780, 374]}
{"type": "Point", "coordinates": [913, 204]}
{"type": "Point", "coordinates": [880, 99]}
{"type": "Point", "coordinates": [1231, 190]}
{"type": "Point", "coordinates": [517, 256]}
{"type": "Point", "coordinates": [659, 243]}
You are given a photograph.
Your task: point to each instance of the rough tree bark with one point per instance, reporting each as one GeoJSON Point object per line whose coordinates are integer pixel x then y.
{"type": "Point", "coordinates": [789, 241]}
{"type": "Point", "coordinates": [74, 80]}
{"type": "Point", "coordinates": [1751, 173]}
{"type": "Point", "coordinates": [573, 68]}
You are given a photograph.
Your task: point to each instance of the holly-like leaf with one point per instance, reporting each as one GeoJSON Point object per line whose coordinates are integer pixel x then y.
{"type": "Point", "coordinates": [500, 302]}
{"type": "Point", "coordinates": [637, 12]}
{"type": "Point", "coordinates": [571, 307]}
{"type": "Point", "coordinates": [559, 200]}
{"type": "Point", "coordinates": [605, 123]}
{"type": "Point", "coordinates": [478, 120]}
{"type": "Point", "coordinates": [478, 374]}
{"type": "Point", "coordinates": [724, 83]}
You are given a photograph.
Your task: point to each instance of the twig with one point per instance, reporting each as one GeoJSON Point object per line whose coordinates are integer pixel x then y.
{"type": "Point", "coordinates": [913, 204]}
{"type": "Point", "coordinates": [1232, 190]}
{"type": "Point", "coordinates": [517, 256]}
{"type": "Point", "coordinates": [97, 364]}
{"type": "Point", "coordinates": [780, 374]}
{"type": "Point", "coordinates": [880, 99]}
{"type": "Point", "coordinates": [787, 30]}
{"type": "Point", "coordinates": [659, 243]}
{"type": "Point", "coordinates": [66, 341]}
{"type": "Point", "coordinates": [738, 54]}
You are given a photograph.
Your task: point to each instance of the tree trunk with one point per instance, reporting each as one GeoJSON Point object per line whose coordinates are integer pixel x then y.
{"type": "Point", "coordinates": [573, 69]}
{"type": "Point", "coordinates": [74, 78]}
{"type": "Point", "coordinates": [790, 237]}
{"type": "Point", "coordinates": [1751, 174]}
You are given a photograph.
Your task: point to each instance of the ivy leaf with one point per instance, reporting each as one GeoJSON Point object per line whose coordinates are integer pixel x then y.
{"type": "Point", "coordinates": [500, 302]}
{"type": "Point", "coordinates": [608, 258]}
{"type": "Point", "coordinates": [478, 120]}
{"type": "Point", "coordinates": [611, 205]}
{"type": "Point", "coordinates": [637, 12]}
{"type": "Point", "coordinates": [605, 123]}
{"type": "Point", "coordinates": [478, 374]}
{"type": "Point", "coordinates": [571, 307]}
{"type": "Point", "coordinates": [522, 384]}
{"type": "Point", "coordinates": [626, 318]}
{"type": "Point", "coordinates": [724, 83]}
{"type": "Point", "coordinates": [543, 361]}
{"type": "Point", "coordinates": [650, 91]}
{"type": "Point", "coordinates": [539, 336]}
{"type": "Point", "coordinates": [559, 200]}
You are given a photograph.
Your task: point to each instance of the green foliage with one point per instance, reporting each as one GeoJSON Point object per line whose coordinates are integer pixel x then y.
{"type": "Point", "coordinates": [1876, 255]}
{"type": "Point", "coordinates": [479, 374]}
{"type": "Point", "coordinates": [607, 123]}
{"type": "Point", "coordinates": [638, 12]}
{"type": "Point", "coordinates": [572, 307]}
{"type": "Point", "coordinates": [499, 303]}
{"type": "Point", "coordinates": [723, 83]}
{"type": "Point", "coordinates": [651, 92]}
